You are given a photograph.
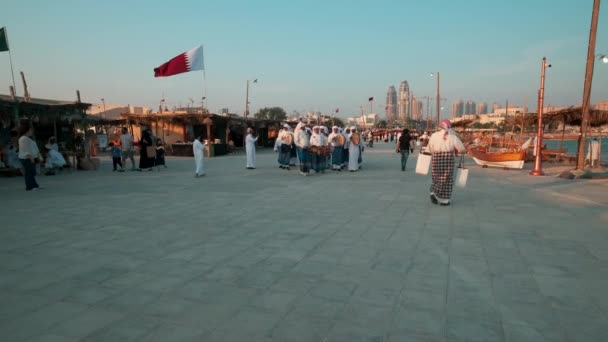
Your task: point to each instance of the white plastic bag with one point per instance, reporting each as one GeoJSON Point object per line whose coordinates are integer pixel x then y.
{"type": "Point", "coordinates": [461, 177]}
{"type": "Point", "coordinates": [423, 164]}
{"type": "Point", "coordinates": [462, 174]}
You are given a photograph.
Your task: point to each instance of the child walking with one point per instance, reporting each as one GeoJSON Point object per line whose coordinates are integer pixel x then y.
{"type": "Point", "coordinates": [160, 154]}
{"type": "Point", "coordinates": [116, 157]}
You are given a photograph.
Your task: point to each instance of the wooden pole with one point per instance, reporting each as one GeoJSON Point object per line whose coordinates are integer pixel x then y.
{"type": "Point", "coordinates": [538, 163]}
{"type": "Point", "coordinates": [438, 100]}
{"type": "Point", "coordinates": [582, 140]}
{"type": "Point", "coordinates": [10, 58]}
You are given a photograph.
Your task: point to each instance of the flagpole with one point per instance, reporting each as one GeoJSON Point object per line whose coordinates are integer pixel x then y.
{"type": "Point", "coordinates": [10, 58]}
{"type": "Point", "coordinates": [204, 79]}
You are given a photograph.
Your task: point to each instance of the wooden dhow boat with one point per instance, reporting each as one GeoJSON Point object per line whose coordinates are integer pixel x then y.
{"type": "Point", "coordinates": [508, 159]}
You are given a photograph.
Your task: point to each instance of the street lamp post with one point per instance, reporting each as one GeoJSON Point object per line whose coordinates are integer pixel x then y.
{"type": "Point", "coordinates": [247, 102]}
{"type": "Point", "coordinates": [438, 98]}
{"type": "Point", "coordinates": [247, 99]}
{"type": "Point", "coordinates": [104, 107]}
{"type": "Point", "coordinates": [538, 162]}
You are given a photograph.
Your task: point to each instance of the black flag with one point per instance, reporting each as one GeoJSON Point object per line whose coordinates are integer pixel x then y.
{"type": "Point", "coordinates": [3, 40]}
{"type": "Point", "coordinates": [371, 99]}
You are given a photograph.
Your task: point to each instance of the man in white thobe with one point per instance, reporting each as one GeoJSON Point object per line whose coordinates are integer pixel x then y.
{"type": "Point", "coordinates": [353, 152]}
{"type": "Point", "coordinates": [250, 148]}
{"type": "Point", "coordinates": [198, 147]}
{"type": "Point", "coordinates": [277, 142]}
{"type": "Point", "coordinates": [593, 154]}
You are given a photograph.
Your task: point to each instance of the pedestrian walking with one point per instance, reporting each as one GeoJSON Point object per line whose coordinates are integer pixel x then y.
{"type": "Point", "coordinates": [250, 141]}
{"type": "Point", "coordinates": [127, 148]}
{"type": "Point", "coordinates": [29, 155]}
{"type": "Point", "coordinates": [160, 155]}
{"type": "Point", "coordinates": [403, 147]}
{"type": "Point", "coordinates": [116, 157]}
{"type": "Point", "coordinates": [198, 149]}
{"type": "Point", "coordinates": [442, 146]}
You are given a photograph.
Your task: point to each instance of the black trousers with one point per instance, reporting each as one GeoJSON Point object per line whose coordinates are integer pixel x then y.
{"type": "Point", "coordinates": [116, 161]}
{"type": "Point", "coordinates": [29, 170]}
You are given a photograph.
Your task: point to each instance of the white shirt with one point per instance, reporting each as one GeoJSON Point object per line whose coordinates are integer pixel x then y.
{"type": "Point", "coordinates": [301, 139]}
{"type": "Point", "coordinates": [318, 140]}
{"type": "Point", "coordinates": [437, 143]}
{"type": "Point", "coordinates": [198, 148]}
{"type": "Point", "coordinates": [331, 138]}
{"type": "Point", "coordinates": [28, 148]}
{"type": "Point", "coordinates": [347, 143]}
{"type": "Point", "coordinates": [126, 142]}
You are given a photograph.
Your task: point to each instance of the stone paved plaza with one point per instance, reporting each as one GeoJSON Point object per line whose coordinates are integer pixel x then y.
{"type": "Point", "coordinates": [269, 255]}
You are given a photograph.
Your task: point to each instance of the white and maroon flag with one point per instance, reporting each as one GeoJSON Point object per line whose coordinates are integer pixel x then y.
{"type": "Point", "coordinates": [185, 62]}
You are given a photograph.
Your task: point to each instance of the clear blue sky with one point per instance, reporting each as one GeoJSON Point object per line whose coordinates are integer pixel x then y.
{"type": "Point", "coordinates": [307, 55]}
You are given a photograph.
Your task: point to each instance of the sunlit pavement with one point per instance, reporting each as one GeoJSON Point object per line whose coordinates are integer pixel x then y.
{"type": "Point", "coordinates": [269, 255]}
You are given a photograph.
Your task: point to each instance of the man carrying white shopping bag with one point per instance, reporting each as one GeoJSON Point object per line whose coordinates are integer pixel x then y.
{"type": "Point", "coordinates": [462, 173]}
{"type": "Point", "coordinates": [443, 145]}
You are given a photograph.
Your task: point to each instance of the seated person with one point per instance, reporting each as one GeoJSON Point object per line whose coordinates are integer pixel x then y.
{"type": "Point", "coordinates": [12, 157]}
{"type": "Point", "coordinates": [54, 159]}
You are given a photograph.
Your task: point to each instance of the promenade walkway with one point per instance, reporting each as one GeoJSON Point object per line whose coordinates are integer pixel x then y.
{"type": "Point", "coordinates": [269, 255]}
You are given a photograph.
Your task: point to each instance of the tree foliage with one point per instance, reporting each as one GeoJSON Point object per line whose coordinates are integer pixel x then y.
{"type": "Point", "coordinates": [272, 113]}
{"type": "Point", "coordinates": [381, 124]}
{"type": "Point", "coordinates": [338, 122]}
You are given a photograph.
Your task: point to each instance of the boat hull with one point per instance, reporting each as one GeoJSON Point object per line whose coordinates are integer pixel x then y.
{"type": "Point", "coordinates": [510, 164]}
{"type": "Point", "coordinates": [511, 160]}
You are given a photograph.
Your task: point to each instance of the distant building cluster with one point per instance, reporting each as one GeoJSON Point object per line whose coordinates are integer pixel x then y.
{"type": "Point", "coordinates": [460, 108]}
{"type": "Point", "coordinates": [402, 106]}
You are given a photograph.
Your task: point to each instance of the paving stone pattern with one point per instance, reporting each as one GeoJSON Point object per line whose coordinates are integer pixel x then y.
{"type": "Point", "coordinates": [269, 255]}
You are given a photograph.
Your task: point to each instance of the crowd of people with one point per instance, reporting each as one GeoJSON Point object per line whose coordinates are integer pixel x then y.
{"type": "Point", "coordinates": [151, 154]}
{"type": "Point", "coordinates": [317, 149]}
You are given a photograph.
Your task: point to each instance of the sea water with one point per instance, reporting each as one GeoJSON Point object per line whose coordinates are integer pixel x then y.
{"type": "Point", "coordinates": [571, 146]}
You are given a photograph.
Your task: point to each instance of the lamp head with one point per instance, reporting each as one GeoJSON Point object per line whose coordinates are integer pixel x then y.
{"type": "Point", "coordinates": [604, 59]}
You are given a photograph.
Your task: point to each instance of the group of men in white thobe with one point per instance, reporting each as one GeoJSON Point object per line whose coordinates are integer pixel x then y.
{"type": "Point", "coordinates": [319, 150]}
{"type": "Point", "coordinates": [316, 149]}
{"type": "Point", "coordinates": [286, 148]}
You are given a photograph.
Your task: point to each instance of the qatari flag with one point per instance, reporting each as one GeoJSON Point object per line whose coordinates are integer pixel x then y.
{"type": "Point", "coordinates": [187, 61]}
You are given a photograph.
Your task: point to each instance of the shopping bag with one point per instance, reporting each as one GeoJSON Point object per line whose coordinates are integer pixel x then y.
{"type": "Point", "coordinates": [462, 174]}
{"type": "Point", "coordinates": [151, 151]}
{"type": "Point", "coordinates": [423, 164]}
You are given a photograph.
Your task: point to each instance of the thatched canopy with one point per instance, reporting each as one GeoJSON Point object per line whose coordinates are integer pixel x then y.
{"type": "Point", "coordinates": [528, 119]}
{"type": "Point", "coordinates": [43, 108]}
{"type": "Point", "coordinates": [573, 116]}
{"type": "Point", "coordinates": [463, 123]}
{"type": "Point", "coordinates": [193, 118]}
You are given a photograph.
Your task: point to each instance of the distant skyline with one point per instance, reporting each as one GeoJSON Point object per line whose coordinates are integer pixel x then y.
{"type": "Point", "coordinates": [307, 55]}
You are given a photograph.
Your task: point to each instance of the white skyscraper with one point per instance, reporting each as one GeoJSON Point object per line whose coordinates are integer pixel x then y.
{"type": "Point", "coordinates": [391, 104]}
{"type": "Point", "coordinates": [404, 101]}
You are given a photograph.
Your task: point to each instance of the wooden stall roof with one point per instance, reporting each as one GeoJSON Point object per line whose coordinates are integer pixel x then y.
{"type": "Point", "coordinates": [195, 118]}
{"type": "Point", "coordinates": [573, 116]}
{"type": "Point", "coordinates": [7, 100]}
{"type": "Point", "coordinates": [55, 108]}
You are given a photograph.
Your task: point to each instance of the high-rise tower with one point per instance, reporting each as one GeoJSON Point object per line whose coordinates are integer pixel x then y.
{"type": "Point", "coordinates": [482, 108]}
{"type": "Point", "coordinates": [470, 107]}
{"type": "Point", "coordinates": [391, 104]}
{"type": "Point", "coordinates": [457, 108]}
{"type": "Point", "coordinates": [404, 101]}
